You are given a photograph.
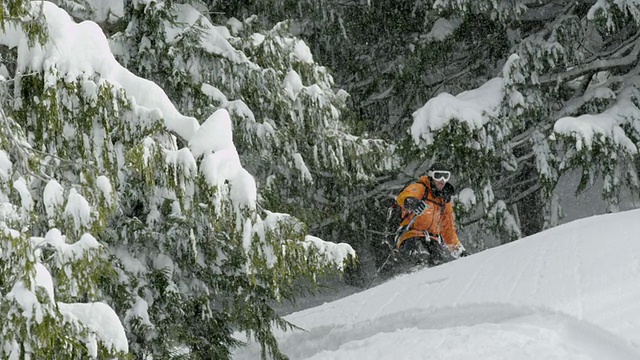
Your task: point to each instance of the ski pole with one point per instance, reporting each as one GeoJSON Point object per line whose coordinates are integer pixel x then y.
{"type": "Point", "coordinates": [404, 229]}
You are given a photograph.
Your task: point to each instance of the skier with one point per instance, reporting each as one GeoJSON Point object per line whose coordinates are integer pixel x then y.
{"type": "Point", "coordinates": [428, 217]}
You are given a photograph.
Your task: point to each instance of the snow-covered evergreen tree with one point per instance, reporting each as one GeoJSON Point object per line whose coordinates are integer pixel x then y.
{"type": "Point", "coordinates": [50, 263]}
{"type": "Point", "coordinates": [125, 201]}
{"type": "Point", "coordinates": [283, 104]}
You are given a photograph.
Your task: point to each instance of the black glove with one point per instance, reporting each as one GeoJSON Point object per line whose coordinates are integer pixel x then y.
{"type": "Point", "coordinates": [464, 253]}
{"type": "Point", "coordinates": [414, 205]}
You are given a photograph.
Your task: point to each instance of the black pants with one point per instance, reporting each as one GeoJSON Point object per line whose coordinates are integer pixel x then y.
{"type": "Point", "coordinates": [425, 249]}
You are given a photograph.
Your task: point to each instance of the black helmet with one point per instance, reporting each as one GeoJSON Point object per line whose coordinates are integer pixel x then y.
{"type": "Point", "coordinates": [438, 166]}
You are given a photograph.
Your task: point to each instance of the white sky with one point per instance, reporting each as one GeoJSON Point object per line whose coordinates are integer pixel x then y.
{"type": "Point", "coordinates": [568, 293]}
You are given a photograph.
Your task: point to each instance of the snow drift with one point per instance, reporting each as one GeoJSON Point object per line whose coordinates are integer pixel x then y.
{"type": "Point", "coordinates": [571, 292]}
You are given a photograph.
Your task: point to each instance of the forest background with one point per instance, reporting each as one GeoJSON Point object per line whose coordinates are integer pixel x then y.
{"type": "Point", "coordinates": [334, 105]}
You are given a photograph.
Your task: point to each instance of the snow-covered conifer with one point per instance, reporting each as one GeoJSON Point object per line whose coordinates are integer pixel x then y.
{"type": "Point", "coordinates": [290, 125]}
{"type": "Point", "coordinates": [119, 205]}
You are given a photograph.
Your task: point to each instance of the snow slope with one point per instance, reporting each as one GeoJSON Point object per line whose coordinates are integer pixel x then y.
{"type": "Point", "coordinates": [572, 292]}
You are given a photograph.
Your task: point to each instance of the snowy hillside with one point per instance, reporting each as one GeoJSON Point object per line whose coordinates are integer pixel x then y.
{"type": "Point", "coordinates": [572, 292]}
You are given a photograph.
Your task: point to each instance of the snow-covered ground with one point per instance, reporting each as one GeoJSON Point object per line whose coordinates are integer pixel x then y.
{"type": "Point", "coordinates": [572, 292]}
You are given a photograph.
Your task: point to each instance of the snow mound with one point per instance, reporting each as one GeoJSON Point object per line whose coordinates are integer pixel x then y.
{"type": "Point", "coordinates": [570, 292]}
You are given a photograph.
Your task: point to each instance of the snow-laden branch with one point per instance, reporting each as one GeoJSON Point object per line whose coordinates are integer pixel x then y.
{"type": "Point", "coordinates": [336, 253]}
{"type": "Point", "coordinates": [220, 160]}
{"type": "Point", "coordinates": [60, 55]}
{"type": "Point", "coordinates": [474, 108]}
{"type": "Point", "coordinates": [102, 321]}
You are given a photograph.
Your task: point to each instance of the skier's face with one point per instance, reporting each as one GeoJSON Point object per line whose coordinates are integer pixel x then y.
{"type": "Point", "coordinates": [440, 184]}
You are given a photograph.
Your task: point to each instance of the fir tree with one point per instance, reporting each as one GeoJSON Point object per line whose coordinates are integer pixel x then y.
{"type": "Point", "coordinates": [51, 262]}
{"type": "Point", "coordinates": [127, 202]}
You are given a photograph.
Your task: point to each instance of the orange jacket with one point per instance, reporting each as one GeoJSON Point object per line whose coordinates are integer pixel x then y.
{"type": "Point", "coordinates": [437, 219]}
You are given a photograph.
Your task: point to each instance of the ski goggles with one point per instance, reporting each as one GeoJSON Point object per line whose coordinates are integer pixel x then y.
{"type": "Point", "coordinates": [440, 175]}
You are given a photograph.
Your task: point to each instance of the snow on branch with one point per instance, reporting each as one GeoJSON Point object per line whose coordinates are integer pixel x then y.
{"type": "Point", "coordinates": [443, 28]}
{"type": "Point", "coordinates": [60, 54]}
{"type": "Point", "coordinates": [26, 298]}
{"type": "Point", "coordinates": [66, 252]}
{"type": "Point", "coordinates": [99, 318]}
{"type": "Point", "coordinates": [474, 107]}
{"type": "Point", "coordinates": [221, 163]}
{"type": "Point", "coordinates": [102, 321]}
{"type": "Point", "coordinates": [78, 209]}
{"type": "Point", "coordinates": [603, 9]}
{"type": "Point", "coordinates": [335, 253]}
{"type": "Point", "coordinates": [585, 128]}
{"type": "Point", "coordinates": [212, 39]}
{"type": "Point", "coordinates": [331, 253]}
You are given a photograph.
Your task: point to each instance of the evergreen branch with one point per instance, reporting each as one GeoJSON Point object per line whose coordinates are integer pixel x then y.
{"type": "Point", "coordinates": [572, 106]}
{"type": "Point", "coordinates": [442, 77]}
{"type": "Point", "coordinates": [617, 51]}
{"type": "Point", "coordinates": [543, 12]}
{"type": "Point", "coordinates": [596, 65]}
{"type": "Point", "coordinates": [511, 186]}
{"type": "Point", "coordinates": [521, 138]}
{"type": "Point", "coordinates": [469, 220]}
{"type": "Point", "coordinates": [523, 194]}
{"type": "Point", "coordinates": [525, 157]}
{"type": "Point", "coordinates": [27, 152]}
